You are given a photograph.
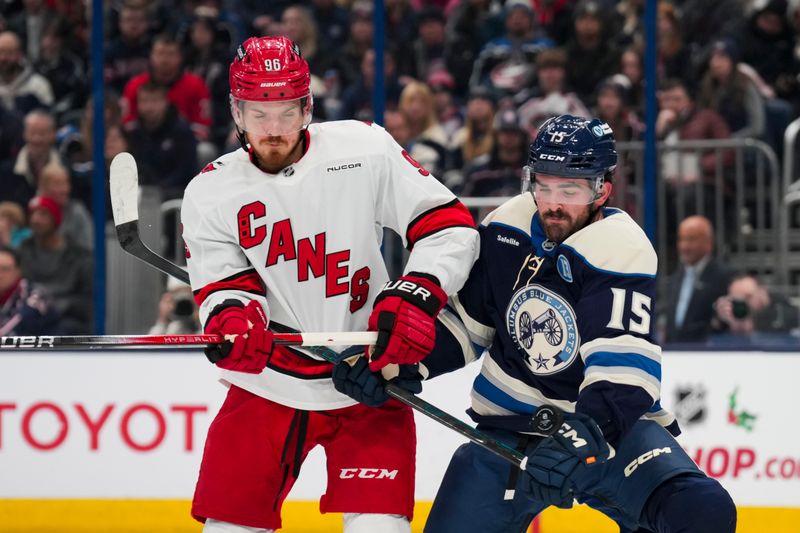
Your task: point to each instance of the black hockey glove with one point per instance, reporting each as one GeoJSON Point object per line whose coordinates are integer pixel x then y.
{"type": "Point", "coordinates": [555, 462]}
{"type": "Point", "coordinates": [367, 387]}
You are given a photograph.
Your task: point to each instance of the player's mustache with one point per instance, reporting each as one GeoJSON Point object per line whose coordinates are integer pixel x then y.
{"type": "Point", "coordinates": [555, 214]}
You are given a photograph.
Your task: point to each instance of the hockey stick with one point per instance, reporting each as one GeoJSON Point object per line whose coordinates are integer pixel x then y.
{"type": "Point", "coordinates": [360, 338]}
{"type": "Point", "coordinates": [124, 188]}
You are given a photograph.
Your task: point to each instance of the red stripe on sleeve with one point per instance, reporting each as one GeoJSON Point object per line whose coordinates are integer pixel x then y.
{"type": "Point", "coordinates": [450, 215]}
{"type": "Point", "coordinates": [248, 281]}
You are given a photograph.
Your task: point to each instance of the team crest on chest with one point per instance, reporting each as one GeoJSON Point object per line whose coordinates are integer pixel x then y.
{"type": "Point", "coordinates": [543, 326]}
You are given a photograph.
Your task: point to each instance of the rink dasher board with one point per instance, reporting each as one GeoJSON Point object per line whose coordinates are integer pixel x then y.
{"type": "Point", "coordinates": [104, 424]}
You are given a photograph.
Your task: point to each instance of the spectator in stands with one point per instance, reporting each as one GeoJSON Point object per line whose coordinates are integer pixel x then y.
{"type": "Point", "coordinates": [769, 45]}
{"type": "Point", "coordinates": [613, 107]}
{"type": "Point", "coordinates": [555, 18]}
{"type": "Point", "coordinates": [76, 147]}
{"type": "Point", "coordinates": [207, 57]}
{"type": "Point", "coordinates": [674, 56]}
{"type": "Point", "coordinates": [332, 22]}
{"type": "Point", "coordinates": [702, 21]}
{"type": "Point", "coordinates": [30, 24]}
{"type": "Point", "coordinates": [499, 173]}
{"type": "Point", "coordinates": [429, 144]}
{"type": "Point", "coordinates": [299, 26]}
{"type": "Point", "coordinates": [749, 309]}
{"type": "Point", "coordinates": [116, 142]}
{"type": "Point", "coordinates": [396, 124]}
{"type": "Point", "coordinates": [507, 64]}
{"type": "Point", "coordinates": [39, 134]}
{"type": "Point", "coordinates": [551, 98]}
{"type": "Point", "coordinates": [591, 53]}
{"type": "Point", "coordinates": [21, 89]}
{"type": "Point", "coordinates": [187, 92]}
{"type": "Point", "coordinates": [127, 54]}
{"type": "Point", "coordinates": [679, 119]}
{"type": "Point", "coordinates": [75, 16]}
{"type": "Point", "coordinates": [23, 309]}
{"type": "Point", "coordinates": [76, 224]}
{"type": "Point", "coordinates": [467, 32]}
{"type": "Point", "coordinates": [426, 54]}
{"type": "Point", "coordinates": [630, 15]}
{"type": "Point", "coordinates": [60, 267]}
{"type": "Point", "coordinates": [161, 142]}
{"type": "Point", "coordinates": [448, 112]}
{"type": "Point", "coordinates": [259, 15]}
{"type": "Point", "coordinates": [359, 41]}
{"type": "Point", "coordinates": [12, 225]}
{"type": "Point", "coordinates": [731, 93]}
{"type": "Point", "coordinates": [476, 138]}
{"type": "Point", "coordinates": [177, 312]}
{"type": "Point", "coordinates": [64, 71]}
{"type": "Point", "coordinates": [402, 22]}
{"type": "Point", "coordinates": [356, 101]}
{"type": "Point", "coordinates": [632, 67]}
{"type": "Point", "coordinates": [694, 287]}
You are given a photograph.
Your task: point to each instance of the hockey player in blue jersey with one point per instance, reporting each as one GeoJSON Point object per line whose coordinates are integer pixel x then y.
{"type": "Point", "coordinates": [560, 306]}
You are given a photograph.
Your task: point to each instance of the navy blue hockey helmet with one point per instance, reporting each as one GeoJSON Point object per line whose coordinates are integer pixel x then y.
{"type": "Point", "coordinates": [572, 147]}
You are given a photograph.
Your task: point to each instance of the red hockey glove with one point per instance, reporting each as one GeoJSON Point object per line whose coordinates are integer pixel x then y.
{"type": "Point", "coordinates": [247, 345]}
{"type": "Point", "coordinates": [404, 315]}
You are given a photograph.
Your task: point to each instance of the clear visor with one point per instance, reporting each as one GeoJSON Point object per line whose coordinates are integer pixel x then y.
{"type": "Point", "coordinates": [555, 190]}
{"type": "Point", "coordinates": [272, 118]}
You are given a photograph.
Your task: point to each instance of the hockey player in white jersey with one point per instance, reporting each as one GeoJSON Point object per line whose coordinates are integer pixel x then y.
{"type": "Point", "coordinates": [285, 234]}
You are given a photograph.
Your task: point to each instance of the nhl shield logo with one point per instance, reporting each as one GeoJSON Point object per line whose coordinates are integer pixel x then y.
{"type": "Point", "coordinates": [690, 404]}
{"type": "Point", "coordinates": [543, 326]}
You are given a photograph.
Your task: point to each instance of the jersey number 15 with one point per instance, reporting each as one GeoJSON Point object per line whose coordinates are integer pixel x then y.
{"type": "Point", "coordinates": [640, 307]}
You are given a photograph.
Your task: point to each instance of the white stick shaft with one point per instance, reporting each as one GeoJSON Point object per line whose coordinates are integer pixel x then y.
{"type": "Point", "coordinates": [340, 338]}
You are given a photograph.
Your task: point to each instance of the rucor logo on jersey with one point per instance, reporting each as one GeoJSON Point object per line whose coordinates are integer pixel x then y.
{"type": "Point", "coordinates": [312, 258]}
{"type": "Point", "coordinates": [344, 166]}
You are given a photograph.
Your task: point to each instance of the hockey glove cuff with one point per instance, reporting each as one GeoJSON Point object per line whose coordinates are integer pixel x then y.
{"type": "Point", "coordinates": [247, 345]}
{"type": "Point", "coordinates": [404, 315]}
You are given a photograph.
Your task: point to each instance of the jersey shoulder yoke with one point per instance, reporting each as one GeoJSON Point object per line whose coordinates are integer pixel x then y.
{"type": "Point", "coordinates": [615, 244]}
{"type": "Point", "coordinates": [515, 213]}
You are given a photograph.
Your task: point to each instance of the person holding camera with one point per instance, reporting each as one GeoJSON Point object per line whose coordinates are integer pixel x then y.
{"type": "Point", "coordinates": [750, 309]}
{"type": "Point", "coordinates": [177, 312]}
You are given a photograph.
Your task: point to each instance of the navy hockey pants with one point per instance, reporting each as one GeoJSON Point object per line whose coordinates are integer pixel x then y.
{"type": "Point", "coordinates": [470, 497]}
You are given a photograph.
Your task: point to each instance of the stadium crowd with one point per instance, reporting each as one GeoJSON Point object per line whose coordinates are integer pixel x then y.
{"type": "Point", "coordinates": [467, 85]}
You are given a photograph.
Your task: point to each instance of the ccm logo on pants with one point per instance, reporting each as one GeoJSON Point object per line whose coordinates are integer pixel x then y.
{"type": "Point", "coordinates": [642, 459]}
{"type": "Point", "coordinates": [367, 473]}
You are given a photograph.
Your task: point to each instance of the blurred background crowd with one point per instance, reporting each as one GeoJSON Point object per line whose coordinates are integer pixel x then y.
{"type": "Point", "coordinates": [467, 85]}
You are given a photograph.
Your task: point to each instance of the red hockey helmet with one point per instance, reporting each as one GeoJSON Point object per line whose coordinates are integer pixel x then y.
{"type": "Point", "coordinates": [266, 70]}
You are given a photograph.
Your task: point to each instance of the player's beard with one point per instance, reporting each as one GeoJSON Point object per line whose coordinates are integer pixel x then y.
{"type": "Point", "coordinates": [278, 152]}
{"type": "Point", "coordinates": [559, 225]}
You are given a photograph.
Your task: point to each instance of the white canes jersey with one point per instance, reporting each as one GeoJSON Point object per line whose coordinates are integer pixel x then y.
{"type": "Point", "coordinates": [305, 243]}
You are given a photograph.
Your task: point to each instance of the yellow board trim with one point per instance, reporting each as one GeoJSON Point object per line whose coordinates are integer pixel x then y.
{"type": "Point", "coordinates": [172, 516]}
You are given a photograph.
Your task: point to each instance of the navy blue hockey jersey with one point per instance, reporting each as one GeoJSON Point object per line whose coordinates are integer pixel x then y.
{"type": "Point", "coordinates": [569, 325]}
